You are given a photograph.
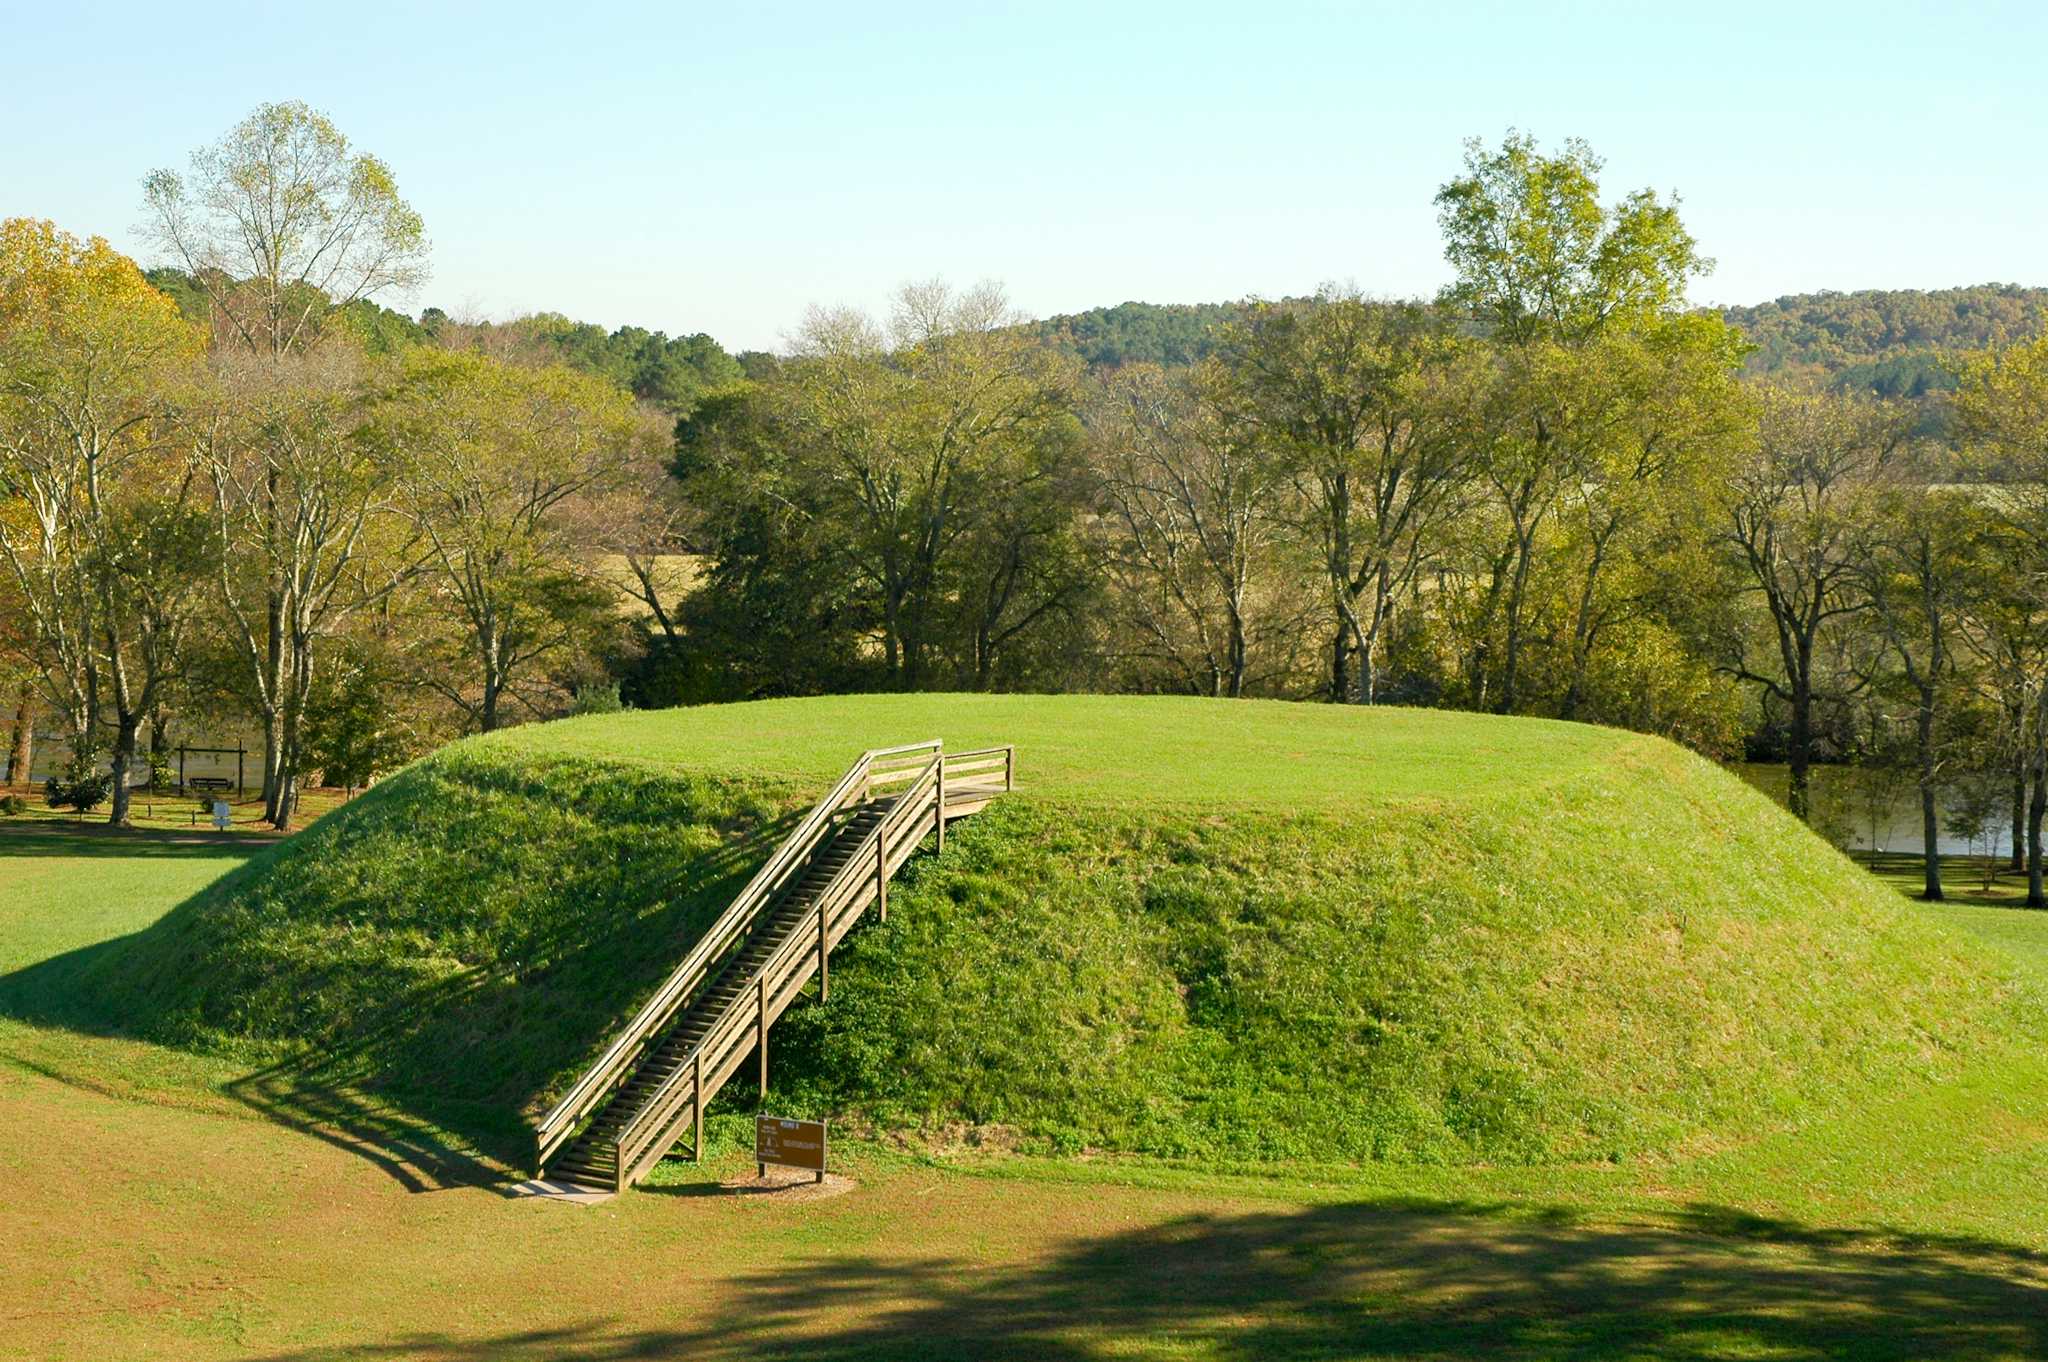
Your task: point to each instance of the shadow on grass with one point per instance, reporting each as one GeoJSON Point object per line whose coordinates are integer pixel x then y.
{"type": "Point", "coordinates": [1985, 881]}
{"type": "Point", "coordinates": [431, 1082]}
{"type": "Point", "coordinates": [1414, 1279]}
{"type": "Point", "coordinates": [47, 837]}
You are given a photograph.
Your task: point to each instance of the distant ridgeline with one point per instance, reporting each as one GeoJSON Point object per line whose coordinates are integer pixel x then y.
{"type": "Point", "coordinates": [1892, 342]}
{"type": "Point", "coordinates": [672, 372]}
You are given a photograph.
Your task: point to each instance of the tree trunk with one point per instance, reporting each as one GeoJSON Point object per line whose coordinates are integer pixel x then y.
{"type": "Point", "coordinates": [125, 730]}
{"type": "Point", "coordinates": [2037, 805]}
{"type": "Point", "coordinates": [21, 748]}
{"type": "Point", "coordinates": [1799, 752]}
{"type": "Point", "coordinates": [2018, 859]}
{"type": "Point", "coordinates": [1930, 827]}
{"type": "Point", "coordinates": [1511, 655]}
{"type": "Point", "coordinates": [1340, 663]}
{"type": "Point", "coordinates": [273, 761]}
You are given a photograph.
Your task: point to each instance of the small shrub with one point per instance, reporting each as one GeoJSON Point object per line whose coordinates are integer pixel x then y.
{"type": "Point", "coordinates": [13, 806]}
{"type": "Point", "coordinates": [598, 700]}
{"type": "Point", "coordinates": [83, 792]}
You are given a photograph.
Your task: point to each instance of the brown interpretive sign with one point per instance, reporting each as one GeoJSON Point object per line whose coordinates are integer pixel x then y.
{"type": "Point", "coordinates": [793, 1144]}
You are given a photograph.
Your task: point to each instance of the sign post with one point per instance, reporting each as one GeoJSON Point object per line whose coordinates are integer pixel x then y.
{"type": "Point", "coordinates": [791, 1144]}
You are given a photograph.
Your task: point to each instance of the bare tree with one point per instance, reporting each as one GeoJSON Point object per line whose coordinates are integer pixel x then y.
{"type": "Point", "coordinates": [1193, 513]}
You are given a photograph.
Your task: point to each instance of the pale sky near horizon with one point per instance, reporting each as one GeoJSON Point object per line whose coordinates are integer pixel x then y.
{"type": "Point", "coordinates": [688, 168]}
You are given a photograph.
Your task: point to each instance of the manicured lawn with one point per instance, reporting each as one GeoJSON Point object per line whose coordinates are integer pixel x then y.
{"type": "Point", "coordinates": [1114, 749]}
{"type": "Point", "coordinates": [165, 1204]}
{"type": "Point", "coordinates": [174, 812]}
{"type": "Point", "coordinates": [1964, 879]}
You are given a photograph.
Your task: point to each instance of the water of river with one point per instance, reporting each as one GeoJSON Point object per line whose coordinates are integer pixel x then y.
{"type": "Point", "coordinates": [1864, 815]}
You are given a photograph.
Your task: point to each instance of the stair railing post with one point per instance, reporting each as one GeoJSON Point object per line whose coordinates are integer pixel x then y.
{"type": "Point", "coordinates": [697, 1116]}
{"type": "Point", "coordinates": [824, 955]}
{"type": "Point", "coordinates": [939, 803]}
{"type": "Point", "coordinates": [1009, 769]}
{"type": "Point", "coordinates": [882, 869]}
{"type": "Point", "coordinates": [761, 1026]}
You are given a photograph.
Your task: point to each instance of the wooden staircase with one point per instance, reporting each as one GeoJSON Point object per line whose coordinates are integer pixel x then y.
{"type": "Point", "coordinates": [652, 1083]}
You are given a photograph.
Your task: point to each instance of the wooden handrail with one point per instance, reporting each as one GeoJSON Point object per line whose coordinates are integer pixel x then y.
{"type": "Point", "coordinates": [940, 785]}
{"type": "Point", "coordinates": [724, 1044]}
{"type": "Point", "coordinates": [739, 918]}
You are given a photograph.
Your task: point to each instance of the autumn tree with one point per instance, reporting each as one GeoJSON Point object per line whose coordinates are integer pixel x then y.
{"type": "Point", "coordinates": [284, 225]}
{"type": "Point", "coordinates": [1924, 570]}
{"type": "Point", "coordinates": [102, 535]}
{"type": "Point", "coordinates": [1583, 302]}
{"type": "Point", "coordinates": [920, 466]}
{"type": "Point", "coordinates": [494, 462]}
{"type": "Point", "coordinates": [1364, 410]}
{"type": "Point", "coordinates": [2002, 411]}
{"type": "Point", "coordinates": [1192, 517]}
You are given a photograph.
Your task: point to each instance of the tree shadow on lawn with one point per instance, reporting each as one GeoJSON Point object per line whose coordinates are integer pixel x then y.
{"type": "Point", "coordinates": [48, 837]}
{"type": "Point", "coordinates": [1390, 1279]}
{"type": "Point", "coordinates": [383, 1091]}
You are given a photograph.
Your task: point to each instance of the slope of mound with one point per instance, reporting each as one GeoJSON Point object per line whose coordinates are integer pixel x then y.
{"type": "Point", "coordinates": [1199, 928]}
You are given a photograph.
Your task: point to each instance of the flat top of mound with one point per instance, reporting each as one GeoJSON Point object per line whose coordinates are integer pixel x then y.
{"type": "Point", "coordinates": [1096, 749]}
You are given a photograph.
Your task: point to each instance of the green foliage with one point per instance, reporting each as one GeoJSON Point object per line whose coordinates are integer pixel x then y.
{"type": "Point", "coordinates": [1168, 335]}
{"type": "Point", "coordinates": [673, 373]}
{"type": "Point", "coordinates": [1888, 340]}
{"type": "Point", "coordinates": [1538, 256]}
{"type": "Point", "coordinates": [597, 699]}
{"type": "Point", "coordinates": [12, 806]}
{"type": "Point", "coordinates": [353, 731]}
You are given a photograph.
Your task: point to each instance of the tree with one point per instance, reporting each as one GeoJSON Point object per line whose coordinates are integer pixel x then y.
{"type": "Point", "coordinates": [493, 460]}
{"type": "Point", "coordinates": [1793, 524]}
{"type": "Point", "coordinates": [1922, 573]}
{"type": "Point", "coordinates": [353, 733]}
{"type": "Point", "coordinates": [1364, 409]}
{"type": "Point", "coordinates": [285, 227]}
{"type": "Point", "coordinates": [920, 466]}
{"type": "Point", "coordinates": [283, 224]}
{"type": "Point", "coordinates": [1554, 278]}
{"type": "Point", "coordinates": [104, 542]}
{"type": "Point", "coordinates": [1193, 516]}
{"type": "Point", "coordinates": [2001, 409]}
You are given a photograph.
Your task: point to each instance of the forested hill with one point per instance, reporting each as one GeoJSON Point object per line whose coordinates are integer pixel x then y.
{"type": "Point", "coordinates": [1891, 341]}
{"type": "Point", "coordinates": [1140, 333]}
{"type": "Point", "coordinates": [1895, 342]}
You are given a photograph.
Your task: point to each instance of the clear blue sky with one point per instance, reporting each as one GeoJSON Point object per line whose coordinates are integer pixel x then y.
{"type": "Point", "coordinates": [692, 167]}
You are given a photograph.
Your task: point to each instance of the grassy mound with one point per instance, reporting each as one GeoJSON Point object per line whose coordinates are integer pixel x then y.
{"type": "Point", "coordinates": [1215, 930]}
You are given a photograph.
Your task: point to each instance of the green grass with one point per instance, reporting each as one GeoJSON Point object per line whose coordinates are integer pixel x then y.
{"type": "Point", "coordinates": [171, 813]}
{"type": "Point", "coordinates": [1199, 931]}
{"type": "Point", "coordinates": [162, 1204]}
{"type": "Point", "coordinates": [1097, 749]}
